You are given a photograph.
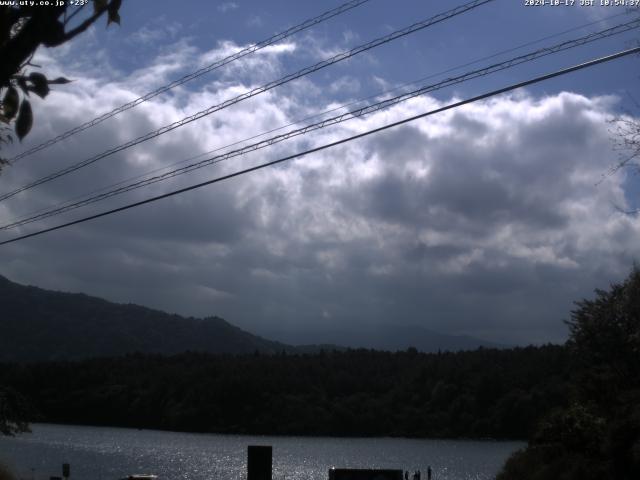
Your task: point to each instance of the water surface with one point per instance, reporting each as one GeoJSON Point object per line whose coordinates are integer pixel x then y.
{"type": "Point", "coordinates": [99, 453]}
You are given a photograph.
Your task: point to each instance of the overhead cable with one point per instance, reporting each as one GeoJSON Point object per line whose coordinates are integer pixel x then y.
{"type": "Point", "coordinates": [357, 113]}
{"type": "Point", "coordinates": [332, 144]}
{"type": "Point", "coordinates": [191, 76]}
{"type": "Point", "coordinates": [256, 91]}
{"type": "Point", "coordinates": [325, 112]}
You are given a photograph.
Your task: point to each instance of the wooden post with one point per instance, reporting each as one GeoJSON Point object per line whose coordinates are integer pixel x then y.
{"type": "Point", "coordinates": [259, 462]}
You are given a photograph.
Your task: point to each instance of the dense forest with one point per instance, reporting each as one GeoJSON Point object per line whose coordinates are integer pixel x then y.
{"type": "Point", "coordinates": [479, 394]}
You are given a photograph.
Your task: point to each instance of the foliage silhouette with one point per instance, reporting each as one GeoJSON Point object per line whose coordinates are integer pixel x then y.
{"type": "Point", "coordinates": [14, 412]}
{"type": "Point", "coordinates": [598, 434]}
{"type": "Point", "coordinates": [24, 28]}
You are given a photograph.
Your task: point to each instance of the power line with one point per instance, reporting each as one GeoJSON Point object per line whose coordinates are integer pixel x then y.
{"type": "Point", "coordinates": [360, 112]}
{"type": "Point", "coordinates": [256, 91]}
{"type": "Point", "coordinates": [198, 73]}
{"type": "Point", "coordinates": [320, 114]}
{"type": "Point", "coordinates": [310, 117]}
{"type": "Point", "coordinates": [333, 144]}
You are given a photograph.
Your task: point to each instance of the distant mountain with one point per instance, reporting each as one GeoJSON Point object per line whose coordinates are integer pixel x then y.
{"type": "Point", "coordinates": [390, 337]}
{"type": "Point", "coordinates": [43, 325]}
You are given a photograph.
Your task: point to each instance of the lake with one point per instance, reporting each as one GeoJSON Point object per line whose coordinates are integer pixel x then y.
{"type": "Point", "coordinates": [99, 453]}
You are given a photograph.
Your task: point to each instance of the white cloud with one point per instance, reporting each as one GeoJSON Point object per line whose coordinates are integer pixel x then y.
{"type": "Point", "coordinates": [225, 7]}
{"type": "Point", "coordinates": [157, 31]}
{"type": "Point", "coordinates": [480, 220]}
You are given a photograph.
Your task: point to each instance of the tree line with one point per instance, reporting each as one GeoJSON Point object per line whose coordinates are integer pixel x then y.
{"type": "Point", "coordinates": [485, 393]}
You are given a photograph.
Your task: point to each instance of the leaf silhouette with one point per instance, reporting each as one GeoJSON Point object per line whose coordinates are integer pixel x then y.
{"type": "Point", "coordinates": [10, 103]}
{"type": "Point", "coordinates": [59, 81]}
{"type": "Point", "coordinates": [112, 12]}
{"type": "Point", "coordinates": [40, 84]}
{"type": "Point", "coordinates": [25, 120]}
{"type": "Point", "coordinates": [99, 5]}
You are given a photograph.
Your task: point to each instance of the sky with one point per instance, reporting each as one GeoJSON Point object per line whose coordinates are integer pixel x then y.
{"type": "Point", "coordinates": [487, 220]}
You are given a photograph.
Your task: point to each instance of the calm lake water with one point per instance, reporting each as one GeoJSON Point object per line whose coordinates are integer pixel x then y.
{"type": "Point", "coordinates": [112, 453]}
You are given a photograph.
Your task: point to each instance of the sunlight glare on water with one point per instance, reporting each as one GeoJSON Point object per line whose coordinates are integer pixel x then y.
{"type": "Point", "coordinates": [113, 453]}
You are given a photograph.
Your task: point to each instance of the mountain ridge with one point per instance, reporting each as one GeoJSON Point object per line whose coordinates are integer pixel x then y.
{"type": "Point", "coordinates": [45, 325]}
{"type": "Point", "coordinates": [402, 337]}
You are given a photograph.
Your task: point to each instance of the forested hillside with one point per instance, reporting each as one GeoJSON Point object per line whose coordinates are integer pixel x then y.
{"type": "Point", "coordinates": [41, 325]}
